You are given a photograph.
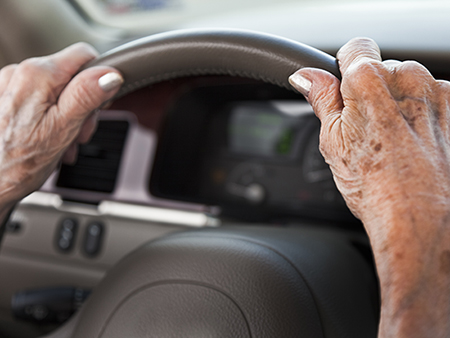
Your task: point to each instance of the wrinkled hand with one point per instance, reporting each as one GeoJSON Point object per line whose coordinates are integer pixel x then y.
{"type": "Point", "coordinates": [45, 110]}
{"type": "Point", "coordinates": [385, 131]}
{"type": "Point", "coordinates": [385, 135]}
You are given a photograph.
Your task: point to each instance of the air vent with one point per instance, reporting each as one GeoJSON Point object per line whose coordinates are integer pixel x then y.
{"type": "Point", "coordinates": [98, 161]}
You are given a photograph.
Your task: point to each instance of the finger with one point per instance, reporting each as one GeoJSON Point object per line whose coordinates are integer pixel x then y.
{"type": "Point", "coordinates": [5, 76]}
{"type": "Point", "coordinates": [412, 80]}
{"type": "Point", "coordinates": [88, 128]}
{"type": "Point", "coordinates": [71, 154]}
{"type": "Point", "coordinates": [86, 92]}
{"type": "Point", "coordinates": [70, 59]}
{"type": "Point", "coordinates": [321, 89]}
{"type": "Point", "coordinates": [63, 65]}
{"type": "Point", "coordinates": [357, 50]}
{"type": "Point", "coordinates": [46, 77]}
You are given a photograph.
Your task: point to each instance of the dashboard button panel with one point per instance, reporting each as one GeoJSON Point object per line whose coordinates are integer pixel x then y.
{"type": "Point", "coordinates": [66, 234]}
{"type": "Point", "coordinates": [93, 239]}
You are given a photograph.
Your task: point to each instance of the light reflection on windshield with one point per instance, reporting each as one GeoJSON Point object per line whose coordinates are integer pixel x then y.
{"type": "Point", "coordinates": [159, 15]}
{"type": "Point", "coordinates": [130, 6]}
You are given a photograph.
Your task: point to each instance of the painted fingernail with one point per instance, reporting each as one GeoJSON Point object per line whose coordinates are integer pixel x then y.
{"type": "Point", "coordinates": [110, 81]}
{"type": "Point", "coordinates": [302, 84]}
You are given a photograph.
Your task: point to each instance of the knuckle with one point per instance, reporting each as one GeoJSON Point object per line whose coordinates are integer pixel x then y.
{"type": "Point", "coordinates": [413, 79]}
{"type": "Point", "coordinates": [444, 86]}
{"type": "Point", "coordinates": [31, 67]}
{"type": "Point", "coordinates": [84, 46]}
{"type": "Point", "coordinates": [8, 69]}
{"type": "Point", "coordinates": [363, 71]}
{"type": "Point", "coordinates": [30, 63]}
{"type": "Point", "coordinates": [359, 46]}
{"type": "Point", "coordinates": [368, 66]}
{"type": "Point", "coordinates": [443, 91]}
{"type": "Point", "coordinates": [362, 42]}
{"type": "Point", "coordinates": [414, 68]}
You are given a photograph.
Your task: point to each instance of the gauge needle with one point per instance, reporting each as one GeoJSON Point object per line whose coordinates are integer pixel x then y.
{"type": "Point", "coordinates": [254, 192]}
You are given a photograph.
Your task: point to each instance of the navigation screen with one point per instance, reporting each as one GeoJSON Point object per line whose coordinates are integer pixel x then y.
{"type": "Point", "coordinates": [260, 129]}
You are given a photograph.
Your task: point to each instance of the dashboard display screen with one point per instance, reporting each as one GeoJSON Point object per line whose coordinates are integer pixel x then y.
{"type": "Point", "coordinates": [253, 156]}
{"type": "Point", "coordinates": [262, 130]}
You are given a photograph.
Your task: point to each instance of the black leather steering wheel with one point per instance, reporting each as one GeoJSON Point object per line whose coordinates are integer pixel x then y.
{"type": "Point", "coordinates": [230, 282]}
{"type": "Point", "coordinates": [241, 53]}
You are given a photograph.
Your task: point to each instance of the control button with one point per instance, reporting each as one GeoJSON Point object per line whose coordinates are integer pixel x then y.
{"type": "Point", "coordinates": [48, 305]}
{"type": "Point", "coordinates": [37, 312]}
{"type": "Point", "coordinates": [255, 193]}
{"type": "Point", "coordinates": [13, 227]}
{"type": "Point", "coordinates": [66, 234]}
{"type": "Point", "coordinates": [93, 239]}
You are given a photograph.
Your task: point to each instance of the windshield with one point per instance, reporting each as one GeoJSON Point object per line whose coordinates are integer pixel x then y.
{"type": "Point", "coordinates": [159, 15]}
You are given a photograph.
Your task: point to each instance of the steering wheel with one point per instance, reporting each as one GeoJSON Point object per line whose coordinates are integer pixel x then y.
{"type": "Point", "coordinates": [241, 53]}
{"type": "Point", "coordinates": [231, 281]}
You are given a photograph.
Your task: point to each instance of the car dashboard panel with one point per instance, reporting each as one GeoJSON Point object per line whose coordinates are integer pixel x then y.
{"type": "Point", "coordinates": [250, 149]}
{"type": "Point", "coordinates": [232, 147]}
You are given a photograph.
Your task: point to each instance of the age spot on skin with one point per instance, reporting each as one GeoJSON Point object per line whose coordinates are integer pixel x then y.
{"type": "Point", "coordinates": [377, 167]}
{"type": "Point", "coordinates": [377, 147]}
{"type": "Point", "coordinates": [369, 165]}
{"type": "Point", "coordinates": [445, 262]}
{"type": "Point", "coordinates": [366, 166]}
{"type": "Point", "coordinates": [399, 255]}
{"type": "Point", "coordinates": [30, 163]}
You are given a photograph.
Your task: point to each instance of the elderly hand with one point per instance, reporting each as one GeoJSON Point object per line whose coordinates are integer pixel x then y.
{"type": "Point", "coordinates": [385, 134]}
{"type": "Point", "coordinates": [47, 108]}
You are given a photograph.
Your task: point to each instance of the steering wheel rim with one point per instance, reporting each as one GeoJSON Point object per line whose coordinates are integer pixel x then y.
{"type": "Point", "coordinates": [234, 52]}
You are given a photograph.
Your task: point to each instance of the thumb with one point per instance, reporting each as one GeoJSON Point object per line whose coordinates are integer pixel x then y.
{"type": "Point", "coordinates": [321, 89]}
{"type": "Point", "coordinates": [87, 91]}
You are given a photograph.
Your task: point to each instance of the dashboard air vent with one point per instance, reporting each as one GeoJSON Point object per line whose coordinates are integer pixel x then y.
{"type": "Point", "coordinates": [98, 161]}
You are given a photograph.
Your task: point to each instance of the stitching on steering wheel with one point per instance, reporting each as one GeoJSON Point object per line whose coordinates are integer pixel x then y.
{"type": "Point", "coordinates": [194, 72]}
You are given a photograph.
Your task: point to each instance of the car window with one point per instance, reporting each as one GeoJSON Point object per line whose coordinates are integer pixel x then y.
{"type": "Point", "coordinates": [158, 15]}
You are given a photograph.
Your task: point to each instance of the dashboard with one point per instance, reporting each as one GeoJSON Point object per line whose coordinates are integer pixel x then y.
{"type": "Point", "coordinates": [230, 147]}
{"type": "Point", "coordinates": [250, 149]}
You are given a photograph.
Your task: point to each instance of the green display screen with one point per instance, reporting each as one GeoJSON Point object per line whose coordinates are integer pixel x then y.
{"type": "Point", "coordinates": [260, 130]}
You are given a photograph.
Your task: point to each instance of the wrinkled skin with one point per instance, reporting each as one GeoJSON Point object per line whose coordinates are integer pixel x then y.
{"type": "Point", "coordinates": [45, 111]}
{"type": "Point", "coordinates": [385, 134]}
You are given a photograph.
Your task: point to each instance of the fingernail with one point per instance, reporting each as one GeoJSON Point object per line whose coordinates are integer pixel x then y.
{"type": "Point", "coordinates": [302, 84]}
{"type": "Point", "coordinates": [110, 81]}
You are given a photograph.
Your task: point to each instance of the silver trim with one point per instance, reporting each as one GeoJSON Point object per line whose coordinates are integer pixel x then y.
{"type": "Point", "coordinates": [123, 210]}
{"type": "Point", "coordinates": [159, 215]}
{"type": "Point", "coordinates": [43, 199]}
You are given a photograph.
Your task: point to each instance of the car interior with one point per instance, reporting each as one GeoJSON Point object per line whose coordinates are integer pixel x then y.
{"type": "Point", "coordinates": [202, 206]}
